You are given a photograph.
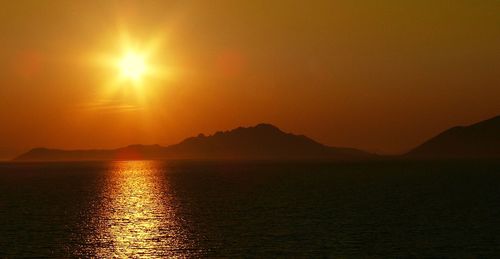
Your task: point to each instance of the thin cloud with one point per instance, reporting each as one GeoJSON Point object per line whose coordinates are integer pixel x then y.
{"type": "Point", "coordinates": [110, 106]}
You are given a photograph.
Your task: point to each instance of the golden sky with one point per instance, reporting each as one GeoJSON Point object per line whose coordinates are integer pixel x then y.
{"type": "Point", "coordinates": [380, 75]}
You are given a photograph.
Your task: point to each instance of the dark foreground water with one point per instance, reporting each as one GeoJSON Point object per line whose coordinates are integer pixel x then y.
{"type": "Point", "coordinates": [251, 209]}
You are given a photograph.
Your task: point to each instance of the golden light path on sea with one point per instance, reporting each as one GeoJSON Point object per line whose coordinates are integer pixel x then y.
{"type": "Point", "coordinates": [137, 217]}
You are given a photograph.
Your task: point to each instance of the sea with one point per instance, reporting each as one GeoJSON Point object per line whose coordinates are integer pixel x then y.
{"type": "Point", "coordinates": [250, 209]}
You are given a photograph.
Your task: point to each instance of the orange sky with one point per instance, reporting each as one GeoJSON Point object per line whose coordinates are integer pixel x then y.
{"type": "Point", "coordinates": [378, 75]}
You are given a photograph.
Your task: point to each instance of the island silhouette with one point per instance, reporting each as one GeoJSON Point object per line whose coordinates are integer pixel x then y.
{"type": "Point", "coordinates": [263, 141]}
{"type": "Point", "coordinates": [266, 141]}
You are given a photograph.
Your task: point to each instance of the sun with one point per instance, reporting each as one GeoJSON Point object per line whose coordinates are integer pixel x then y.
{"type": "Point", "coordinates": [133, 66]}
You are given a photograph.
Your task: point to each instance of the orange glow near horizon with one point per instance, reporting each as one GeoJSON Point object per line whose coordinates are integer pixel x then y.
{"type": "Point", "coordinates": [380, 75]}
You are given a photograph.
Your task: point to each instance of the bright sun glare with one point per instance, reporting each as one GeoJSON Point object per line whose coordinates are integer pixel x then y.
{"type": "Point", "coordinates": [133, 66]}
{"type": "Point", "coordinates": [133, 63]}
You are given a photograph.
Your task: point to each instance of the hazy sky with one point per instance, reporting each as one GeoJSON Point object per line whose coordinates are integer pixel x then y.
{"type": "Point", "coordinates": [381, 75]}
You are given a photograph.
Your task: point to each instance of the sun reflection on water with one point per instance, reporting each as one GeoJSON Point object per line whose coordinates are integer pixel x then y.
{"type": "Point", "coordinates": [137, 216]}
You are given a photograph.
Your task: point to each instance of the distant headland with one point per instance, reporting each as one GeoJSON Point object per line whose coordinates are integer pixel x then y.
{"type": "Point", "coordinates": [479, 140]}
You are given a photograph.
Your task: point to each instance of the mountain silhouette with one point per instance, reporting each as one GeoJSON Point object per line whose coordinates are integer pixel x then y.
{"type": "Point", "coordinates": [478, 140]}
{"type": "Point", "coordinates": [263, 141]}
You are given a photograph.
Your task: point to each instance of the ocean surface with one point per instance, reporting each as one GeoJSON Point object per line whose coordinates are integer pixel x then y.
{"type": "Point", "coordinates": [250, 209]}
